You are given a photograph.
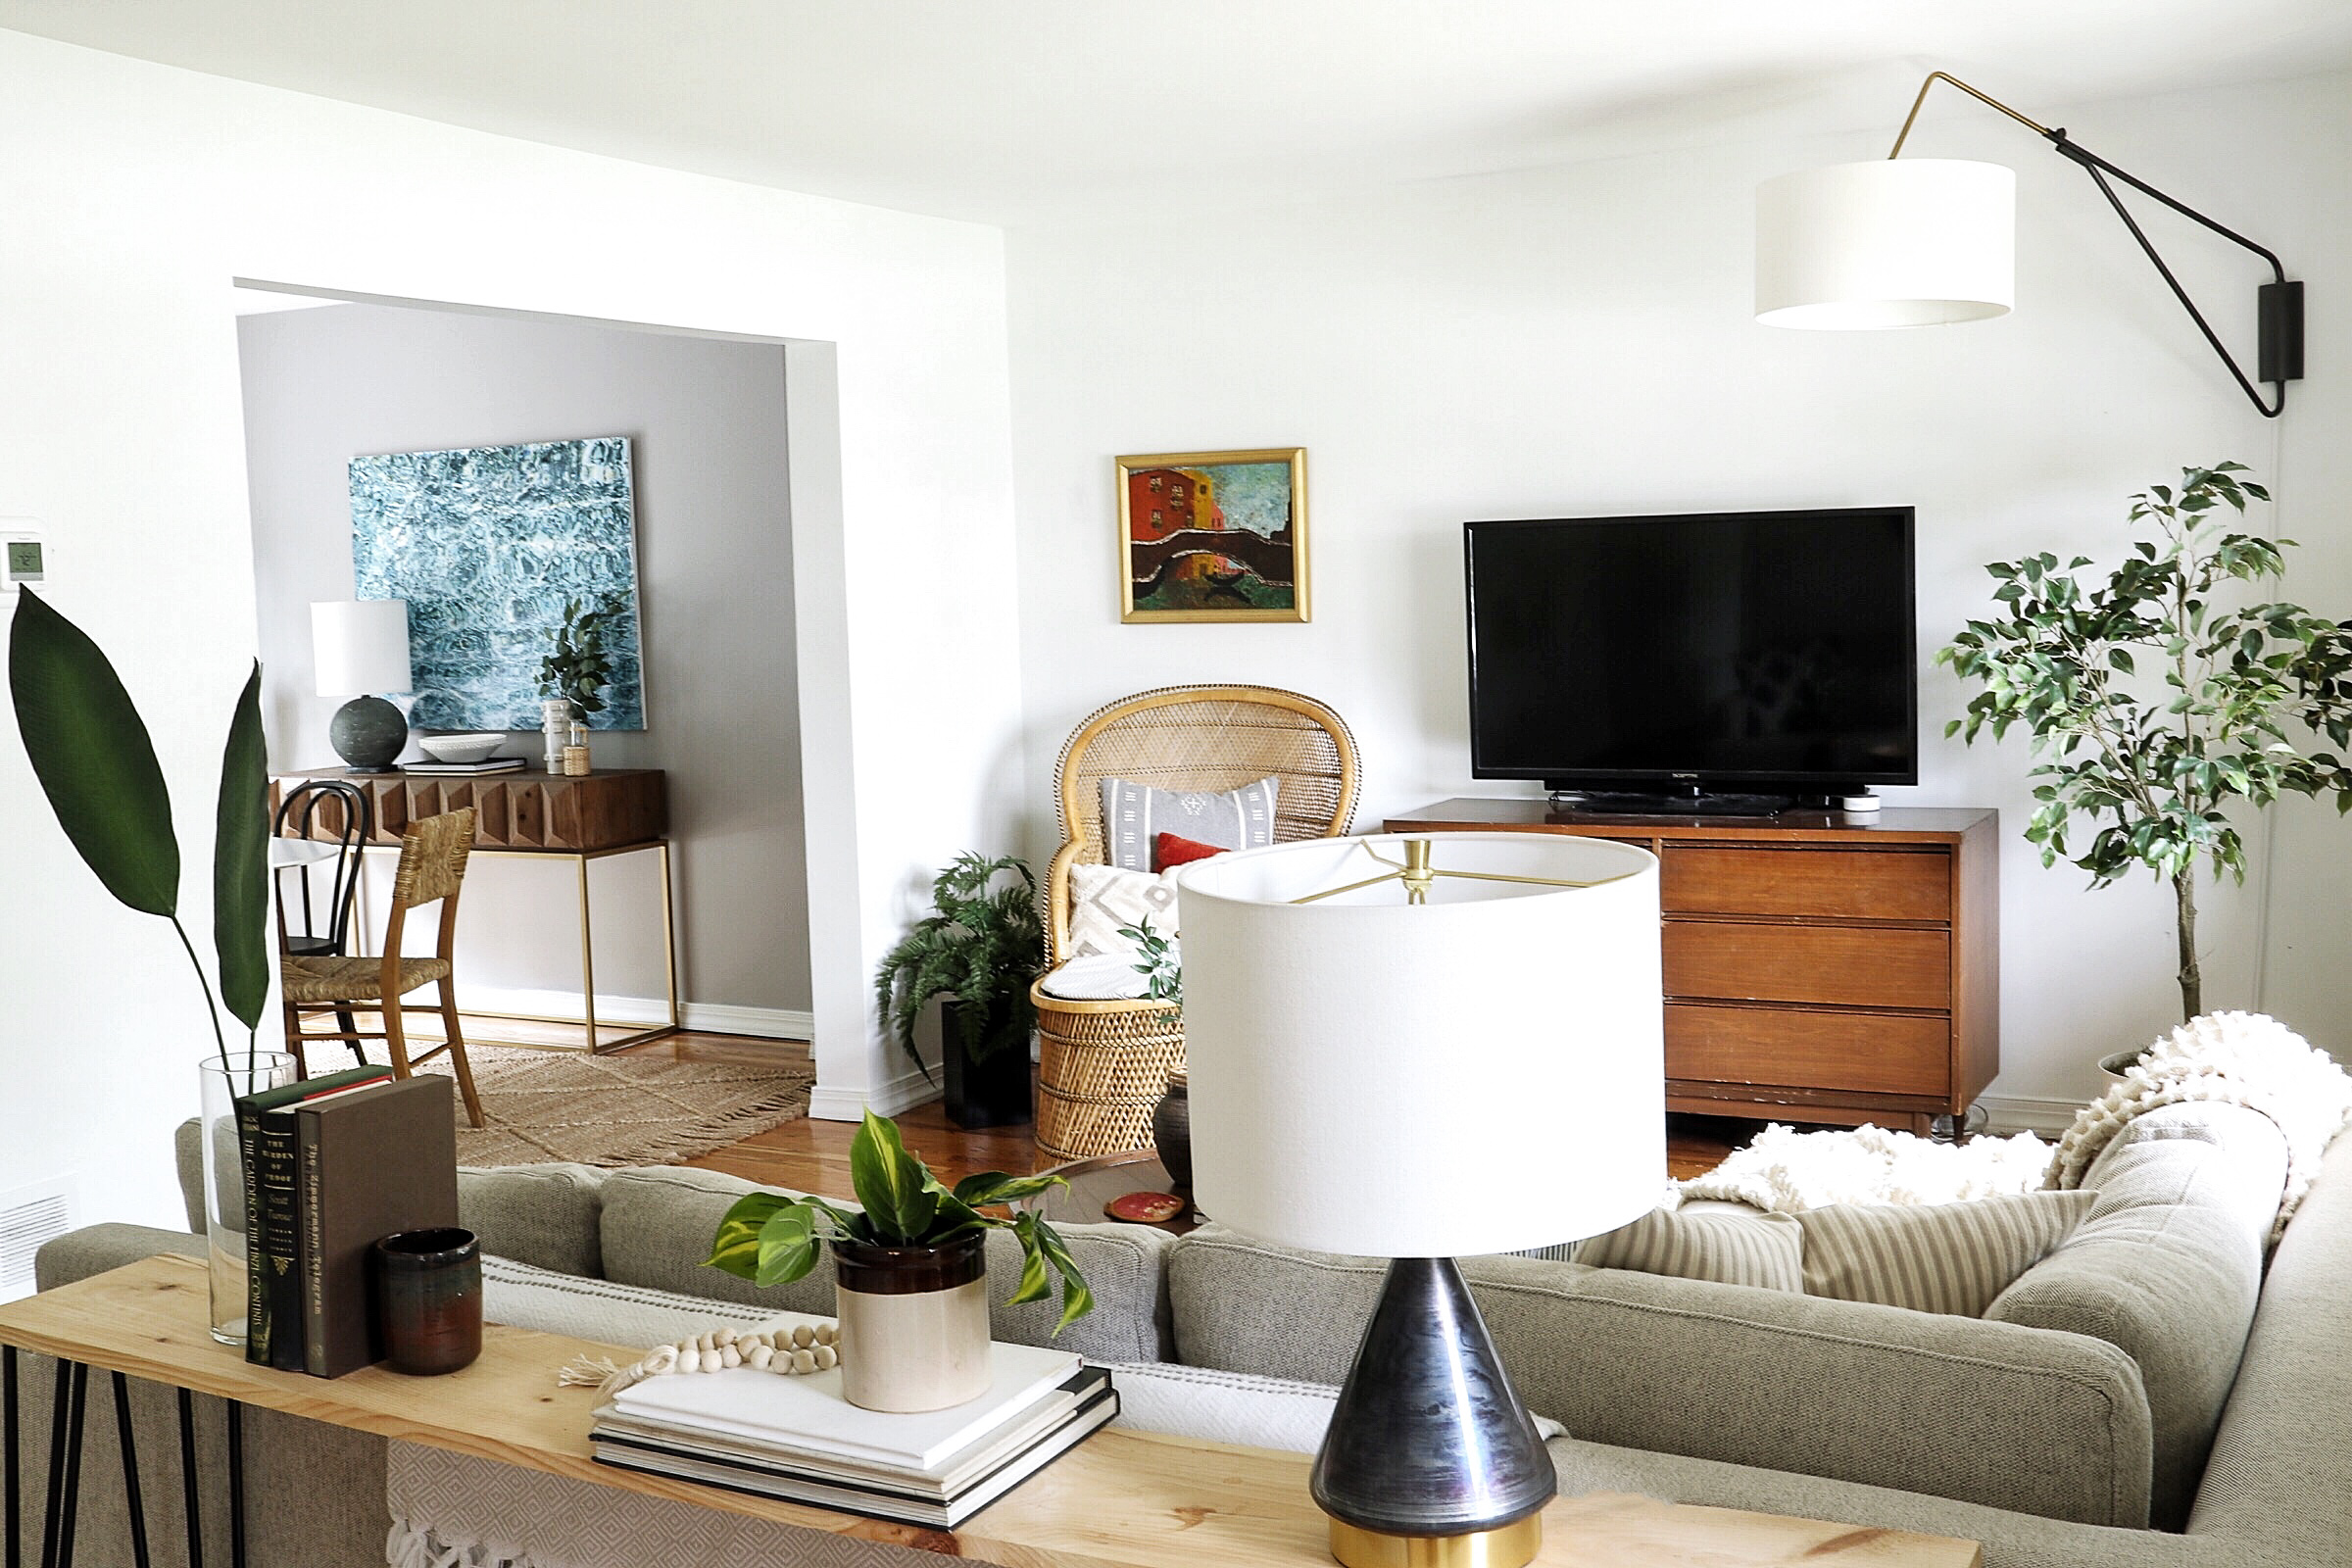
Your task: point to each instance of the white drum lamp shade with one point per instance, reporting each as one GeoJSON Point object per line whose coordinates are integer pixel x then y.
{"type": "Point", "coordinates": [1892, 242]}
{"type": "Point", "coordinates": [360, 647]}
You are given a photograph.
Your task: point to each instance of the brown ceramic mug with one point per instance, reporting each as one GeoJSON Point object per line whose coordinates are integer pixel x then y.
{"type": "Point", "coordinates": [428, 1299]}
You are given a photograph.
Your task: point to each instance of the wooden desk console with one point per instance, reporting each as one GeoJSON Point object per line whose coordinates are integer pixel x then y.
{"type": "Point", "coordinates": [1819, 966]}
{"type": "Point", "coordinates": [1120, 1500]}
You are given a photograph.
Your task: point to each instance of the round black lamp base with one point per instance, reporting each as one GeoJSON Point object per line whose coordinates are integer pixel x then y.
{"type": "Point", "coordinates": [367, 733]}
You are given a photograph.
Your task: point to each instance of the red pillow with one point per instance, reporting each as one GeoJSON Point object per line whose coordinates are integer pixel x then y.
{"type": "Point", "coordinates": [1172, 850]}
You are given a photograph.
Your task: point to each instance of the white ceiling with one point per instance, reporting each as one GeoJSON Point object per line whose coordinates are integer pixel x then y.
{"type": "Point", "coordinates": [1017, 111]}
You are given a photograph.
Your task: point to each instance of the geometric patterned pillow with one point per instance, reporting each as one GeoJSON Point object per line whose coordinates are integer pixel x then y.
{"type": "Point", "coordinates": [1103, 898]}
{"type": "Point", "coordinates": [1134, 813]}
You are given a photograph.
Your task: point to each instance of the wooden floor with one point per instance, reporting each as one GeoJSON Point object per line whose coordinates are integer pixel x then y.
{"type": "Point", "coordinates": [813, 1155]}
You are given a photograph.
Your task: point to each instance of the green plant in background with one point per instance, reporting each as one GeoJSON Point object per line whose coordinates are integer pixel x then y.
{"type": "Point", "coordinates": [97, 764]}
{"type": "Point", "coordinates": [1162, 972]}
{"type": "Point", "coordinates": [982, 945]}
{"type": "Point", "coordinates": [2157, 697]}
{"type": "Point", "coordinates": [771, 1238]}
{"type": "Point", "coordinates": [580, 668]}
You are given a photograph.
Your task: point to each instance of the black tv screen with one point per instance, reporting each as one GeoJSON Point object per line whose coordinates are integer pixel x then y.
{"type": "Point", "coordinates": [1770, 648]}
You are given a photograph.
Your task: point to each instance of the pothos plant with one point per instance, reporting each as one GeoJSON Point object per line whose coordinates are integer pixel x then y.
{"type": "Point", "coordinates": [579, 666]}
{"type": "Point", "coordinates": [769, 1239]}
{"type": "Point", "coordinates": [2161, 695]}
{"type": "Point", "coordinates": [981, 945]}
{"type": "Point", "coordinates": [97, 764]}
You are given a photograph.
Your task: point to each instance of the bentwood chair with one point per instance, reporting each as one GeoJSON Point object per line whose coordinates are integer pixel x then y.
{"type": "Point", "coordinates": [1103, 1065]}
{"type": "Point", "coordinates": [326, 811]}
{"type": "Point", "coordinates": [432, 868]}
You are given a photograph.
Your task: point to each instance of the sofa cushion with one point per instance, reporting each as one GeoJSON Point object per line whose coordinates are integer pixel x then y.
{"type": "Point", "coordinates": [543, 1215]}
{"type": "Point", "coordinates": [658, 1223]}
{"type": "Point", "coordinates": [2047, 1423]}
{"type": "Point", "coordinates": [2167, 1266]}
{"type": "Point", "coordinates": [1934, 1257]}
{"type": "Point", "coordinates": [631, 1316]}
{"type": "Point", "coordinates": [1743, 1248]}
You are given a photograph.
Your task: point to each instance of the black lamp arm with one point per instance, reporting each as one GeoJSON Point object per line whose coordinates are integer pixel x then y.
{"type": "Point", "coordinates": [2279, 303]}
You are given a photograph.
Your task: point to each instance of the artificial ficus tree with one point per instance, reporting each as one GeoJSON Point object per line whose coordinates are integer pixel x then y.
{"type": "Point", "coordinates": [2159, 699]}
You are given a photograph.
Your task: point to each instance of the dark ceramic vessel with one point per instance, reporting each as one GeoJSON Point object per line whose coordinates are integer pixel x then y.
{"type": "Point", "coordinates": [428, 1299]}
{"type": "Point", "coordinates": [909, 1270]}
{"type": "Point", "coordinates": [1172, 1134]}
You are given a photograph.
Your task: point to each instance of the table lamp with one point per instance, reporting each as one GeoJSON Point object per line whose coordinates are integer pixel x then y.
{"type": "Point", "coordinates": [1421, 1049]}
{"type": "Point", "coordinates": [361, 648]}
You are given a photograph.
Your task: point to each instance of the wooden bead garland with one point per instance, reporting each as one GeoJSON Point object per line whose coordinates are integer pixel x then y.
{"type": "Point", "coordinates": [794, 1352]}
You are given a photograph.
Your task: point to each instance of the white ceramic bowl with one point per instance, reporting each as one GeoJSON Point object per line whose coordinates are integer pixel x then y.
{"type": "Point", "coordinates": [460, 748]}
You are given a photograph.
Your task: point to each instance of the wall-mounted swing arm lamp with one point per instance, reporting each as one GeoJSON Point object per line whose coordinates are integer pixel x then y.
{"type": "Point", "coordinates": [1923, 242]}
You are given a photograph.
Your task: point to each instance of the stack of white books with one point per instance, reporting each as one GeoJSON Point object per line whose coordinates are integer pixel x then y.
{"type": "Point", "coordinates": [798, 1439]}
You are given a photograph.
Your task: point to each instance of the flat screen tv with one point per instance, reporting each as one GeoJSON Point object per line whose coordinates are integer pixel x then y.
{"type": "Point", "coordinates": [1751, 652]}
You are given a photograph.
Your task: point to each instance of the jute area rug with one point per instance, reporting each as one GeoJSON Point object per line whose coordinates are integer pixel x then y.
{"type": "Point", "coordinates": [618, 1111]}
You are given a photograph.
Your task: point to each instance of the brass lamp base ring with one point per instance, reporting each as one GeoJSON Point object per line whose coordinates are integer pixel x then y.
{"type": "Point", "coordinates": [1511, 1545]}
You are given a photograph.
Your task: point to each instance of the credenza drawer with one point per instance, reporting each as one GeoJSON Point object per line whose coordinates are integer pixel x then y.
{"type": "Point", "coordinates": [1839, 966]}
{"type": "Point", "coordinates": [1869, 1052]}
{"type": "Point", "coordinates": [1852, 884]}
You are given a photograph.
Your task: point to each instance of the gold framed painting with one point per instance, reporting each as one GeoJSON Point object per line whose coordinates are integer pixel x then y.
{"type": "Point", "coordinates": [1213, 535]}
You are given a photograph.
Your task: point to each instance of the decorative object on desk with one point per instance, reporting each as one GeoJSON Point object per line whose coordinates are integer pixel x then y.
{"type": "Point", "coordinates": [580, 667]}
{"type": "Point", "coordinates": [575, 752]}
{"type": "Point", "coordinates": [1172, 1131]}
{"type": "Point", "coordinates": [1213, 535]}
{"type": "Point", "coordinates": [1924, 242]}
{"type": "Point", "coordinates": [1357, 955]}
{"type": "Point", "coordinates": [374, 1162]}
{"type": "Point", "coordinates": [361, 649]}
{"type": "Point", "coordinates": [554, 726]}
{"type": "Point", "coordinates": [911, 1295]}
{"type": "Point", "coordinates": [461, 748]}
{"type": "Point", "coordinates": [801, 1350]}
{"type": "Point", "coordinates": [97, 766]}
{"type": "Point", "coordinates": [485, 768]}
{"type": "Point", "coordinates": [1143, 1209]}
{"type": "Point", "coordinates": [269, 1143]}
{"type": "Point", "coordinates": [428, 1299]}
{"type": "Point", "coordinates": [978, 946]}
{"type": "Point", "coordinates": [487, 545]}
{"type": "Point", "coordinates": [228, 1250]}
{"type": "Point", "coordinates": [2242, 686]}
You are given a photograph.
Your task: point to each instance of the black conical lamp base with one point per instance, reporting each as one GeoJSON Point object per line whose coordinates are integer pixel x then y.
{"type": "Point", "coordinates": [1431, 1460]}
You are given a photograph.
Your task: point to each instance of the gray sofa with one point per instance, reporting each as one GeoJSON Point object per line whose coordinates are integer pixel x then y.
{"type": "Point", "coordinates": [2143, 1395]}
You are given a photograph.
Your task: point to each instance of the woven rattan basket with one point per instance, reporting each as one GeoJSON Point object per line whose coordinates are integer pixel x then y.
{"type": "Point", "coordinates": [1103, 1065]}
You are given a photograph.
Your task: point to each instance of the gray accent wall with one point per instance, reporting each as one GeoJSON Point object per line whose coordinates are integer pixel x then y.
{"type": "Point", "coordinates": [706, 418]}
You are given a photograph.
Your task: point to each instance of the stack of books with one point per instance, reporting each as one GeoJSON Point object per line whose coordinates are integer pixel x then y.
{"type": "Point", "coordinates": [798, 1439]}
{"type": "Point", "coordinates": [331, 1165]}
{"type": "Point", "coordinates": [488, 764]}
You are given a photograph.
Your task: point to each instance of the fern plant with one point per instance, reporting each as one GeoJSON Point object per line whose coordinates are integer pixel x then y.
{"type": "Point", "coordinates": [981, 946]}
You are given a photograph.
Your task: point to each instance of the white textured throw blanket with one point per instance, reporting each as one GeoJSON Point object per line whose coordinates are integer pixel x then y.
{"type": "Point", "coordinates": [2235, 1058]}
{"type": "Point", "coordinates": [1785, 1170]}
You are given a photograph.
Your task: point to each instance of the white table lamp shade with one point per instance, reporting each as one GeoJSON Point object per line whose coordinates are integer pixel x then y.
{"type": "Point", "coordinates": [1482, 1073]}
{"type": "Point", "coordinates": [360, 647]}
{"type": "Point", "coordinates": [1892, 242]}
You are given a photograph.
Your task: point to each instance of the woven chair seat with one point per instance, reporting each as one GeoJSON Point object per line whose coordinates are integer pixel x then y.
{"type": "Point", "coordinates": [323, 980]}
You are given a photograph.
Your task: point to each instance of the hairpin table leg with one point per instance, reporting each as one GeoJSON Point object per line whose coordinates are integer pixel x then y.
{"type": "Point", "coordinates": [65, 1465]}
{"type": "Point", "coordinates": [130, 1471]}
{"type": "Point", "coordinates": [236, 1484]}
{"type": "Point", "coordinates": [187, 1478]}
{"type": "Point", "coordinates": [15, 1522]}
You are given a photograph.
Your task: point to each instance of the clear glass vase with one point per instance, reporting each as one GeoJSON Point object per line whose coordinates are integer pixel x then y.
{"type": "Point", "coordinates": [243, 1072]}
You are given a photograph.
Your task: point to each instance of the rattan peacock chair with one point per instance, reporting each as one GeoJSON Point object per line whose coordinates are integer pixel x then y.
{"type": "Point", "coordinates": [1103, 1065]}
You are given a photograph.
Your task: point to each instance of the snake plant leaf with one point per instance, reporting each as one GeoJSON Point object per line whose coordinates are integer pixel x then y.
{"type": "Point", "coordinates": [91, 751]}
{"type": "Point", "coordinates": [892, 1185]}
{"type": "Point", "coordinates": [241, 861]}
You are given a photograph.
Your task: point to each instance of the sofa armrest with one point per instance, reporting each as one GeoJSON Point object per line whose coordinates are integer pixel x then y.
{"type": "Point", "coordinates": [95, 1249]}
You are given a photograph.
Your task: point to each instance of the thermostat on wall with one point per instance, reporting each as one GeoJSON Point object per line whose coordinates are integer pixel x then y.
{"type": "Point", "coordinates": [24, 555]}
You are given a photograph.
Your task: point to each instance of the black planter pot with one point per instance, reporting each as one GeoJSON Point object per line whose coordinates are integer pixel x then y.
{"type": "Point", "coordinates": [994, 1093]}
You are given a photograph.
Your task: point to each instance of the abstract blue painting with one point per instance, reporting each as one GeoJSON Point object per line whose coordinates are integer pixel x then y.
{"type": "Point", "coordinates": [487, 545]}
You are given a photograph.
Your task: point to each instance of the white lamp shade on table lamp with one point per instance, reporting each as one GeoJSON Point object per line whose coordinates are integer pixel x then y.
{"type": "Point", "coordinates": [1892, 242]}
{"type": "Point", "coordinates": [1478, 1074]}
{"type": "Point", "coordinates": [360, 645]}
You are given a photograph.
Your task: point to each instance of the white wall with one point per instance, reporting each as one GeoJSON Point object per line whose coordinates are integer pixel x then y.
{"type": "Point", "coordinates": [1580, 341]}
{"type": "Point", "coordinates": [136, 193]}
{"type": "Point", "coordinates": [705, 425]}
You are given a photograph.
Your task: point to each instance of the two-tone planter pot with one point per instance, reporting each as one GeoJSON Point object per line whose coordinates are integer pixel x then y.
{"type": "Point", "coordinates": [913, 1323]}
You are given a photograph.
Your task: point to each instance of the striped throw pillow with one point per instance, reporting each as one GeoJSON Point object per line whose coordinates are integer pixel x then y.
{"type": "Point", "coordinates": [1729, 1247]}
{"type": "Point", "coordinates": [1952, 1259]}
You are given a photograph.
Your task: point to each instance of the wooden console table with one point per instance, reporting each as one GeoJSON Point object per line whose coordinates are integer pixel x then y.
{"type": "Point", "coordinates": [534, 815]}
{"type": "Point", "coordinates": [1820, 966]}
{"type": "Point", "coordinates": [1119, 1499]}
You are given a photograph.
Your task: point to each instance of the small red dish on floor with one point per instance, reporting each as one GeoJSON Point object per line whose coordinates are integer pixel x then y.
{"type": "Point", "coordinates": [1143, 1209]}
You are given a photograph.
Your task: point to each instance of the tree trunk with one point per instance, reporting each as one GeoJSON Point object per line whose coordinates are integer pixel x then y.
{"type": "Point", "coordinates": [2193, 983]}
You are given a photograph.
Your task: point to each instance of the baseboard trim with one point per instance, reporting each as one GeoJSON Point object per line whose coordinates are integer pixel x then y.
{"type": "Point", "coordinates": [714, 1017]}
{"type": "Point", "coordinates": [2028, 1114]}
{"type": "Point", "coordinates": [831, 1102]}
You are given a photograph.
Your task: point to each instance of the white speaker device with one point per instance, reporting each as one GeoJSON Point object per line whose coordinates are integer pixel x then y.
{"type": "Point", "coordinates": [1851, 804]}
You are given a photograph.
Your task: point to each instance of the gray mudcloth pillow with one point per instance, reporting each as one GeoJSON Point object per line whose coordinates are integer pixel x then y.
{"type": "Point", "coordinates": [1135, 814]}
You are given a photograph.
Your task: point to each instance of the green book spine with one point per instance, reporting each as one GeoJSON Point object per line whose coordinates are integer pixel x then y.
{"type": "Point", "coordinates": [257, 1304]}
{"type": "Point", "coordinates": [278, 1174]}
